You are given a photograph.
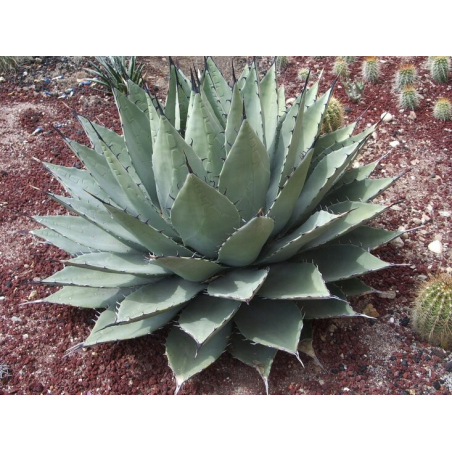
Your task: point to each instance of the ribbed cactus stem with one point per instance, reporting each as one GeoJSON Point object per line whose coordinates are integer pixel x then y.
{"type": "Point", "coordinates": [432, 311]}
{"type": "Point", "coordinates": [282, 62]}
{"type": "Point", "coordinates": [340, 68]}
{"type": "Point", "coordinates": [406, 76]}
{"type": "Point", "coordinates": [409, 98]}
{"type": "Point", "coordinates": [440, 69]}
{"type": "Point", "coordinates": [334, 116]}
{"type": "Point", "coordinates": [443, 109]}
{"type": "Point", "coordinates": [371, 69]}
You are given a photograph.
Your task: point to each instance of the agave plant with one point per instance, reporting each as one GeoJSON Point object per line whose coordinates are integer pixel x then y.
{"type": "Point", "coordinates": [115, 71]}
{"type": "Point", "coordinates": [221, 213]}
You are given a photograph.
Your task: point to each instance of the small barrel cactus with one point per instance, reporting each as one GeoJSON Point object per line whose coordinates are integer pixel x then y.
{"type": "Point", "coordinates": [443, 109]}
{"type": "Point", "coordinates": [406, 76]}
{"type": "Point", "coordinates": [340, 68]}
{"type": "Point", "coordinates": [371, 69]}
{"type": "Point", "coordinates": [303, 74]}
{"type": "Point", "coordinates": [440, 69]}
{"type": "Point", "coordinates": [282, 62]}
{"type": "Point", "coordinates": [432, 311]}
{"type": "Point", "coordinates": [409, 98]}
{"type": "Point", "coordinates": [334, 116]}
{"type": "Point", "coordinates": [349, 59]}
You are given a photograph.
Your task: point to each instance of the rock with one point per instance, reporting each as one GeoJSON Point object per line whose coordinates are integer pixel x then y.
{"type": "Point", "coordinates": [397, 243]}
{"type": "Point", "coordinates": [422, 277]}
{"type": "Point", "coordinates": [290, 101]}
{"type": "Point", "coordinates": [389, 295]}
{"type": "Point", "coordinates": [444, 213]}
{"type": "Point", "coordinates": [412, 115]}
{"type": "Point", "coordinates": [417, 221]}
{"type": "Point", "coordinates": [16, 319]}
{"type": "Point", "coordinates": [436, 247]}
{"type": "Point", "coordinates": [33, 295]}
{"type": "Point", "coordinates": [391, 320]}
{"type": "Point", "coordinates": [394, 143]}
{"type": "Point", "coordinates": [387, 117]}
{"type": "Point", "coordinates": [371, 311]}
{"type": "Point", "coordinates": [2, 80]}
{"type": "Point", "coordinates": [448, 366]}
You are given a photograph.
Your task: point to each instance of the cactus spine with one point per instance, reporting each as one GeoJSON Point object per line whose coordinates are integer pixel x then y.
{"type": "Point", "coordinates": [409, 98]}
{"type": "Point", "coordinates": [340, 68]}
{"type": "Point", "coordinates": [443, 109]}
{"type": "Point", "coordinates": [440, 69]}
{"type": "Point", "coordinates": [334, 116]}
{"type": "Point", "coordinates": [432, 311]}
{"type": "Point", "coordinates": [371, 69]}
{"type": "Point", "coordinates": [405, 76]}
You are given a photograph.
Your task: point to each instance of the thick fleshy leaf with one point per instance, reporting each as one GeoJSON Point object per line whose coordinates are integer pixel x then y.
{"type": "Point", "coordinates": [244, 245]}
{"type": "Point", "coordinates": [363, 191]}
{"type": "Point", "coordinates": [241, 284]}
{"type": "Point", "coordinates": [283, 206]}
{"type": "Point", "coordinates": [306, 341]}
{"type": "Point", "coordinates": [102, 333]}
{"type": "Point", "coordinates": [77, 182]}
{"type": "Point", "coordinates": [138, 139]}
{"type": "Point", "coordinates": [281, 101]}
{"type": "Point", "coordinates": [349, 261]}
{"type": "Point", "coordinates": [221, 88]}
{"type": "Point", "coordinates": [138, 96]}
{"type": "Point", "coordinates": [286, 247]}
{"type": "Point", "coordinates": [326, 309]}
{"type": "Point", "coordinates": [155, 241]}
{"type": "Point", "coordinates": [234, 119]}
{"type": "Point", "coordinates": [269, 102]}
{"type": "Point", "coordinates": [248, 156]}
{"type": "Point", "coordinates": [353, 214]}
{"type": "Point", "coordinates": [204, 135]}
{"type": "Point", "coordinates": [276, 324]}
{"type": "Point", "coordinates": [88, 297]}
{"type": "Point", "coordinates": [329, 139]}
{"type": "Point", "coordinates": [83, 232]}
{"type": "Point", "coordinates": [255, 355]}
{"type": "Point", "coordinates": [243, 76]}
{"type": "Point", "coordinates": [203, 217]}
{"type": "Point", "coordinates": [136, 264]}
{"type": "Point", "coordinates": [153, 299]}
{"type": "Point", "coordinates": [189, 268]}
{"type": "Point", "coordinates": [184, 357]}
{"type": "Point", "coordinates": [354, 287]}
{"type": "Point", "coordinates": [368, 238]}
{"type": "Point", "coordinates": [95, 212]}
{"type": "Point", "coordinates": [294, 281]}
{"type": "Point", "coordinates": [61, 242]}
{"type": "Point", "coordinates": [173, 159]}
{"type": "Point", "coordinates": [82, 277]}
{"type": "Point", "coordinates": [142, 205]}
{"type": "Point", "coordinates": [356, 174]}
{"type": "Point", "coordinates": [320, 181]}
{"type": "Point", "coordinates": [205, 316]}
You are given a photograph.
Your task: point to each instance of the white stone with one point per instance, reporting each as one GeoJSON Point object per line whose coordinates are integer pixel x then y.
{"type": "Point", "coordinates": [444, 213]}
{"type": "Point", "coordinates": [394, 143]}
{"type": "Point", "coordinates": [436, 247]}
{"type": "Point", "coordinates": [387, 117]}
{"type": "Point", "coordinates": [397, 243]}
{"type": "Point", "coordinates": [291, 100]}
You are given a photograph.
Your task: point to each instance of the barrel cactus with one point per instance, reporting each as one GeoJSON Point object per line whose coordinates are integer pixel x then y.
{"type": "Point", "coordinates": [443, 109]}
{"type": "Point", "coordinates": [440, 69]}
{"type": "Point", "coordinates": [432, 311]}
{"type": "Point", "coordinates": [409, 98]}
{"type": "Point", "coordinates": [223, 214]}
{"type": "Point", "coordinates": [333, 117]}
{"type": "Point", "coordinates": [406, 76]}
{"type": "Point", "coordinates": [340, 68]}
{"type": "Point", "coordinates": [371, 69]}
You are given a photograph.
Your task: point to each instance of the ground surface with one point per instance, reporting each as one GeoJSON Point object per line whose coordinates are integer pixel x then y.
{"type": "Point", "coordinates": [380, 356]}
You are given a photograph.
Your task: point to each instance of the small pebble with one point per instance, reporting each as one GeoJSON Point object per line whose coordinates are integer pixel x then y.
{"type": "Point", "coordinates": [387, 117]}
{"type": "Point", "coordinates": [436, 247]}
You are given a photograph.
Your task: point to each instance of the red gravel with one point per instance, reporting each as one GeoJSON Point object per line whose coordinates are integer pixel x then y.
{"type": "Point", "coordinates": [359, 356]}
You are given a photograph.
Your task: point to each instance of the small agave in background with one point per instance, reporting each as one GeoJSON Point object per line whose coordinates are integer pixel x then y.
{"type": "Point", "coordinates": [223, 214]}
{"type": "Point", "coordinates": [354, 89]}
